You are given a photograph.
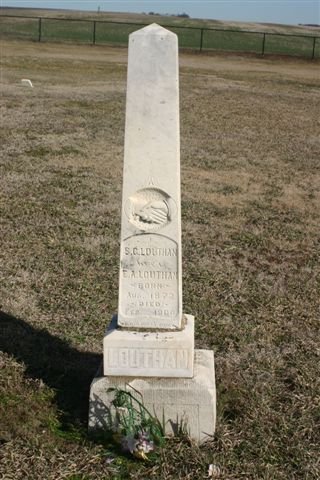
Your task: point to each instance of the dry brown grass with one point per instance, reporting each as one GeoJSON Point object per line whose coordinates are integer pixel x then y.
{"type": "Point", "coordinates": [250, 203]}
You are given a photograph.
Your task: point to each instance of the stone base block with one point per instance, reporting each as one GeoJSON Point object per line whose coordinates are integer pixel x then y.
{"type": "Point", "coordinates": [180, 400]}
{"type": "Point", "coordinates": [149, 354]}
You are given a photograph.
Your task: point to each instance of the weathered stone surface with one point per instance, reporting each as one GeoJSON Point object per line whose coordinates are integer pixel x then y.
{"type": "Point", "coordinates": [150, 293]}
{"type": "Point", "coordinates": [191, 401]}
{"type": "Point", "coordinates": [149, 354]}
{"type": "Point", "coordinates": [149, 346]}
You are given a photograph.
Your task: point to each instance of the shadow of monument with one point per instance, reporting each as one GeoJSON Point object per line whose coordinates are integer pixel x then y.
{"type": "Point", "coordinates": [67, 370]}
{"type": "Point", "coordinates": [101, 417]}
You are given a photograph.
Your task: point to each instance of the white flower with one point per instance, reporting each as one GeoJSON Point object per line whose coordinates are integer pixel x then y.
{"type": "Point", "coordinates": [214, 471]}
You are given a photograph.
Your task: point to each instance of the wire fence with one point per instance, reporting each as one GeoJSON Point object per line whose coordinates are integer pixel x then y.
{"type": "Point", "coordinates": [100, 32]}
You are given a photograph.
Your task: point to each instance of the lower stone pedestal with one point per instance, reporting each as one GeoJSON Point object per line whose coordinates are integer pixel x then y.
{"type": "Point", "coordinates": [149, 354]}
{"type": "Point", "coordinates": [189, 401]}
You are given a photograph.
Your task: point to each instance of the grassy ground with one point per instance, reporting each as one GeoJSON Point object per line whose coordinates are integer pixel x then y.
{"type": "Point", "coordinates": [251, 271]}
{"type": "Point", "coordinates": [81, 31]}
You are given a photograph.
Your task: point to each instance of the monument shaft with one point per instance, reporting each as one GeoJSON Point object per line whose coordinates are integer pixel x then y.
{"type": "Point", "coordinates": [150, 293]}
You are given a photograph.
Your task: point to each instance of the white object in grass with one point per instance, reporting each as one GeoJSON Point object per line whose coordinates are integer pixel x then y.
{"type": "Point", "coordinates": [26, 81]}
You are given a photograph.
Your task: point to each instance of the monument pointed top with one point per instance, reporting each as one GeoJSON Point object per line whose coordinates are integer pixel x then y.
{"type": "Point", "coordinates": [153, 29]}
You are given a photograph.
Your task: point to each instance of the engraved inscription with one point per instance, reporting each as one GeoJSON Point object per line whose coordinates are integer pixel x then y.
{"type": "Point", "coordinates": [147, 358]}
{"type": "Point", "coordinates": [149, 209]}
{"type": "Point", "coordinates": [149, 281]}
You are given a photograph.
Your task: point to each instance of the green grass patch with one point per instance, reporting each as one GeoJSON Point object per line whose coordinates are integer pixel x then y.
{"type": "Point", "coordinates": [20, 28]}
{"type": "Point", "coordinates": [289, 45]}
{"type": "Point", "coordinates": [67, 31]}
{"type": "Point", "coordinates": [232, 41]}
{"type": "Point", "coordinates": [236, 39]}
{"type": "Point", "coordinates": [113, 33]}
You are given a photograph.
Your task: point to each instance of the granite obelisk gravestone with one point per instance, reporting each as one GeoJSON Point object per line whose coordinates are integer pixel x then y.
{"type": "Point", "coordinates": [150, 294]}
{"type": "Point", "coordinates": [151, 340]}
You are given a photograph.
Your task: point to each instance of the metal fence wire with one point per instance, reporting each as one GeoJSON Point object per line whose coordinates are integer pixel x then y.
{"type": "Point", "coordinates": [116, 33]}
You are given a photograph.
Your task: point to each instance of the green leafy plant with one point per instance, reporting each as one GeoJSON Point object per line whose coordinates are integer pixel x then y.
{"type": "Point", "coordinates": [135, 428]}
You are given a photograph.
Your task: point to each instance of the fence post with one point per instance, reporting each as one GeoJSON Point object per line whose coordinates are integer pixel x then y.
{"type": "Point", "coordinates": [314, 48]}
{"type": "Point", "coordinates": [39, 29]}
{"type": "Point", "coordinates": [94, 33]}
{"type": "Point", "coordinates": [201, 40]}
{"type": "Point", "coordinates": [263, 44]}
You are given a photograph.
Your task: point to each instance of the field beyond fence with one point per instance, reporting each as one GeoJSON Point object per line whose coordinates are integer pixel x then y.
{"type": "Point", "coordinates": [197, 38]}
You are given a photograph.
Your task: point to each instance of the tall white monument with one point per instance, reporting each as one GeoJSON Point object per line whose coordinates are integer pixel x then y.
{"type": "Point", "coordinates": [150, 339]}
{"type": "Point", "coordinates": [150, 293]}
